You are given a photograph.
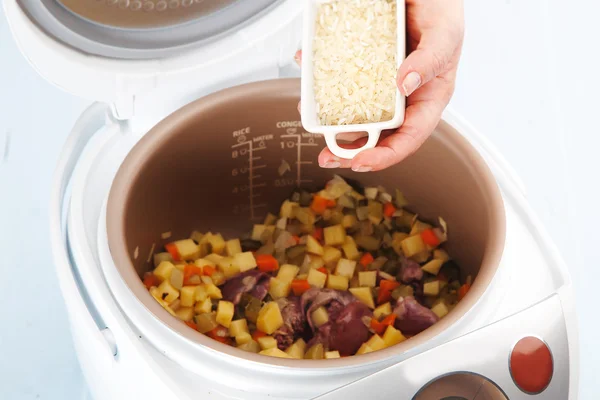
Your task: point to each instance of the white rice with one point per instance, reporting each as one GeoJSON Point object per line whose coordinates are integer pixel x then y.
{"type": "Point", "coordinates": [355, 61]}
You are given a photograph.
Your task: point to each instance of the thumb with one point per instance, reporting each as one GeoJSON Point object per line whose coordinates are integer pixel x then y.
{"type": "Point", "coordinates": [427, 61]}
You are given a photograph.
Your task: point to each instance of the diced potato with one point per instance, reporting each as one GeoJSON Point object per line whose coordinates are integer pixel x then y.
{"type": "Point", "coordinates": [163, 271]}
{"type": "Point", "coordinates": [313, 246]}
{"type": "Point", "coordinates": [413, 245]}
{"type": "Point", "coordinates": [279, 288]}
{"type": "Point", "coordinates": [207, 280]}
{"type": "Point", "coordinates": [349, 221]}
{"type": "Point", "coordinates": [167, 292]}
{"type": "Point", "coordinates": [203, 307]}
{"type": "Point", "coordinates": [418, 227]}
{"type": "Point", "coordinates": [213, 258]}
{"type": "Point", "coordinates": [382, 311]}
{"type": "Point", "coordinates": [237, 327]}
{"type": "Point", "coordinates": [185, 313]}
{"type": "Point", "coordinates": [397, 239]}
{"type": "Point", "coordinates": [332, 354]}
{"type": "Point", "coordinates": [228, 267]}
{"type": "Point", "coordinates": [218, 278]}
{"type": "Point", "coordinates": [331, 255]}
{"type": "Point", "coordinates": [160, 257]}
{"type": "Point", "coordinates": [196, 236]}
{"type": "Point", "coordinates": [225, 311]}
{"type": "Point", "coordinates": [364, 349]}
{"type": "Point", "coordinates": [315, 261]}
{"type": "Point", "coordinates": [337, 282]}
{"type": "Point", "coordinates": [233, 247]}
{"type": "Point", "coordinates": [297, 349]}
{"type": "Point", "coordinates": [206, 322]}
{"type": "Point", "coordinates": [177, 278]}
{"type": "Point", "coordinates": [345, 268]}
{"type": "Point", "coordinates": [244, 261]}
{"type": "Point", "coordinates": [213, 292]}
{"type": "Point", "coordinates": [267, 342]}
{"type": "Point", "coordinates": [376, 343]}
{"type": "Point", "coordinates": [243, 338]}
{"type": "Point", "coordinates": [262, 233]}
{"type": "Point", "coordinates": [392, 336]}
{"type": "Point", "coordinates": [270, 219]}
{"type": "Point", "coordinates": [369, 243]}
{"type": "Point", "coordinates": [188, 249]}
{"type": "Point", "coordinates": [288, 209]}
{"type": "Point", "coordinates": [316, 352]}
{"type": "Point", "coordinates": [431, 288]}
{"type": "Point", "coordinates": [334, 235]}
{"type": "Point", "coordinates": [316, 278]}
{"type": "Point", "coordinates": [364, 294]}
{"type": "Point", "coordinates": [251, 346]}
{"type": "Point", "coordinates": [287, 273]}
{"type": "Point", "coordinates": [202, 262]}
{"type": "Point", "coordinates": [440, 309]}
{"type": "Point", "coordinates": [441, 254]}
{"type": "Point", "coordinates": [350, 249]}
{"type": "Point", "coordinates": [274, 352]}
{"type": "Point", "coordinates": [371, 193]}
{"type": "Point", "coordinates": [305, 216]}
{"type": "Point", "coordinates": [319, 316]}
{"type": "Point", "coordinates": [269, 318]}
{"type": "Point", "coordinates": [217, 243]}
{"type": "Point", "coordinates": [367, 278]}
{"type": "Point", "coordinates": [375, 212]}
{"type": "Point", "coordinates": [433, 266]}
{"type": "Point", "coordinates": [188, 296]}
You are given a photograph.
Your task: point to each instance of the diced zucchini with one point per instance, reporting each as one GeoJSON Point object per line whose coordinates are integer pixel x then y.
{"type": "Point", "coordinates": [188, 249]}
{"type": "Point", "coordinates": [363, 294]}
{"type": "Point", "coordinates": [440, 309]}
{"type": "Point", "coordinates": [313, 246]}
{"type": "Point", "coordinates": [251, 347]}
{"type": "Point", "coordinates": [403, 291]}
{"type": "Point", "coordinates": [371, 193]}
{"type": "Point", "coordinates": [382, 311]}
{"type": "Point", "coordinates": [274, 352]}
{"type": "Point", "coordinates": [369, 243]}
{"type": "Point", "coordinates": [279, 289]}
{"type": "Point", "coordinates": [337, 282]}
{"type": "Point", "coordinates": [316, 352]}
{"type": "Point", "coordinates": [233, 247]}
{"type": "Point", "coordinates": [203, 307]}
{"type": "Point", "coordinates": [337, 187]}
{"type": "Point", "coordinates": [364, 349]}
{"type": "Point", "coordinates": [413, 245]}
{"type": "Point", "coordinates": [167, 292]}
{"type": "Point", "coordinates": [160, 257]}
{"type": "Point", "coordinates": [243, 338]}
{"type": "Point", "coordinates": [237, 327]}
{"type": "Point", "coordinates": [188, 296]}
{"type": "Point", "coordinates": [334, 235]}
{"type": "Point", "coordinates": [185, 313]}
{"type": "Point", "coordinates": [346, 201]}
{"type": "Point", "coordinates": [433, 267]}
{"type": "Point", "coordinates": [287, 273]}
{"type": "Point", "coordinates": [297, 349]}
{"type": "Point", "coordinates": [206, 322]}
{"type": "Point", "coordinates": [345, 268]}
{"type": "Point", "coordinates": [244, 261]}
{"type": "Point", "coordinates": [163, 271]}
{"type": "Point", "coordinates": [350, 249]}
{"type": "Point", "coordinates": [288, 209]}
{"type": "Point", "coordinates": [367, 278]}
{"type": "Point", "coordinates": [332, 354]}
{"type": "Point", "coordinates": [305, 216]}
{"type": "Point", "coordinates": [331, 255]}
{"type": "Point", "coordinates": [319, 316]}
{"type": "Point", "coordinates": [392, 336]}
{"type": "Point", "coordinates": [267, 342]}
{"type": "Point", "coordinates": [441, 254]}
{"type": "Point", "coordinates": [431, 288]}
{"type": "Point", "coordinates": [316, 278]}
{"type": "Point", "coordinates": [225, 311]}
{"type": "Point", "coordinates": [269, 318]}
{"type": "Point", "coordinates": [375, 212]}
{"type": "Point", "coordinates": [177, 278]}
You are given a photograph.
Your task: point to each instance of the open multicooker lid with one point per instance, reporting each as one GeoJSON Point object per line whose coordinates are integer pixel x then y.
{"type": "Point", "coordinates": [113, 50]}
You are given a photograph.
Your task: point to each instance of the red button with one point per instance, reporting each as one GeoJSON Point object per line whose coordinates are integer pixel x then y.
{"type": "Point", "coordinates": [531, 365]}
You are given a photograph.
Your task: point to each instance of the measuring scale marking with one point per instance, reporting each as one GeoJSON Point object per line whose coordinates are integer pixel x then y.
{"type": "Point", "coordinates": [292, 133]}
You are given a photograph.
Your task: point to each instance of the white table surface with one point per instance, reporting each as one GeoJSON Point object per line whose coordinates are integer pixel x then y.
{"type": "Point", "coordinates": [527, 81]}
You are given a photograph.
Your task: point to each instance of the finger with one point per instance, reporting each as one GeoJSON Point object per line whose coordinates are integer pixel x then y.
{"type": "Point", "coordinates": [328, 160]}
{"type": "Point", "coordinates": [430, 59]}
{"type": "Point", "coordinates": [298, 58]}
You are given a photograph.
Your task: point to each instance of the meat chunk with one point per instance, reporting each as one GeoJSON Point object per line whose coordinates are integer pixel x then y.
{"type": "Point", "coordinates": [333, 300]}
{"type": "Point", "coordinates": [254, 282]}
{"type": "Point", "coordinates": [410, 271]}
{"type": "Point", "coordinates": [412, 317]}
{"type": "Point", "coordinates": [294, 322]}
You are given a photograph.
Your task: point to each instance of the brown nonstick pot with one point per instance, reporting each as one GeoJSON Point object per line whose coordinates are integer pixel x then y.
{"type": "Point", "coordinates": [222, 162]}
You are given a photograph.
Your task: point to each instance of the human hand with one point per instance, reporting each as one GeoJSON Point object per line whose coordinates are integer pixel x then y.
{"type": "Point", "coordinates": [435, 30]}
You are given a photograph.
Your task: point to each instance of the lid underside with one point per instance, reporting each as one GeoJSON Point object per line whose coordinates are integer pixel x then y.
{"type": "Point", "coordinates": [141, 29]}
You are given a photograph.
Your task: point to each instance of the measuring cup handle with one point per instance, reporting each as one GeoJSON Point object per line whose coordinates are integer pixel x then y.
{"type": "Point", "coordinates": [349, 154]}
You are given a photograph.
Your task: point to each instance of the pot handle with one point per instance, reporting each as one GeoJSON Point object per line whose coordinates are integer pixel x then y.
{"type": "Point", "coordinates": [330, 139]}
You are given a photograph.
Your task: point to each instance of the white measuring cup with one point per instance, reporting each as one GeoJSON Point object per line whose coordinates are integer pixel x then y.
{"type": "Point", "coordinates": [308, 109]}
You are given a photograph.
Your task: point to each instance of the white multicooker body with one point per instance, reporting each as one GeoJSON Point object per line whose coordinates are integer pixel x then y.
{"type": "Point", "coordinates": [531, 294]}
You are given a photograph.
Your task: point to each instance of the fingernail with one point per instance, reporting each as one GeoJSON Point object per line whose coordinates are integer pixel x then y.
{"type": "Point", "coordinates": [362, 168]}
{"type": "Point", "coordinates": [331, 164]}
{"type": "Point", "coordinates": [297, 57]}
{"type": "Point", "coordinates": [411, 83]}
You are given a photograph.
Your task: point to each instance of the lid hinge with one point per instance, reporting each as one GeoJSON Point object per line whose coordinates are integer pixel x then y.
{"type": "Point", "coordinates": [127, 88]}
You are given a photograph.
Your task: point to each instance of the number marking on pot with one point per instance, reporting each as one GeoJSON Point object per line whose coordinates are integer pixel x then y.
{"type": "Point", "coordinates": [293, 138]}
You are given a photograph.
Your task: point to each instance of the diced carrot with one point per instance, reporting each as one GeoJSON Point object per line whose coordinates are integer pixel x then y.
{"type": "Point", "coordinates": [318, 233]}
{"type": "Point", "coordinates": [389, 320]}
{"type": "Point", "coordinates": [388, 285]}
{"type": "Point", "coordinates": [172, 249]}
{"type": "Point", "coordinates": [463, 290]}
{"type": "Point", "coordinates": [430, 238]}
{"type": "Point", "coordinates": [388, 210]}
{"type": "Point", "coordinates": [208, 270]}
{"type": "Point", "coordinates": [318, 205]}
{"type": "Point", "coordinates": [266, 262]}
{"type": "Point", "coordinates": [191, 270]}
{"type": "Point", "coordinates": [384, 296]}
{"type": "Point", "coordinates": [220, 334]}
{"type": "Point", "coordinates": [331, 203]}
{"type": "Point", "coordinates": [150, 280]}
{"type": "Point", "coordinates": [323, 270]}
{"type": "Point", "coordinates": [366, 259]}
{"type": "Point", "coordinates": [300, 286]}
{"type": "Point", "coordinates": [377, 326]}
{"type": "Point", "coordinates": [258, 334]}
{"type": "Point", "coordinates": [191, 325]}
{"type": "Point", "coordinates": [385, 290]}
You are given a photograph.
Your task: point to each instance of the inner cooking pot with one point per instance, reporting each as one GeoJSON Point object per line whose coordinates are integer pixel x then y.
{"type": "Point", "coordinates": [222, 162]}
